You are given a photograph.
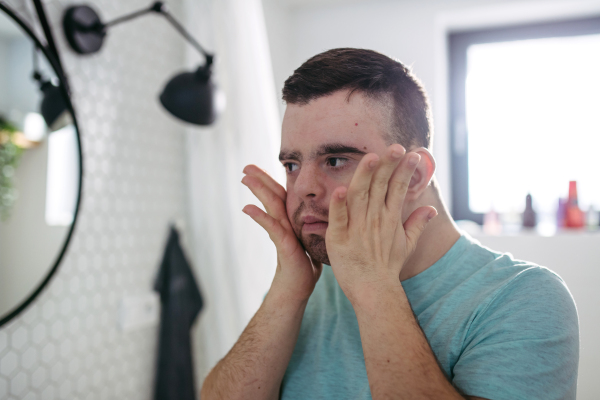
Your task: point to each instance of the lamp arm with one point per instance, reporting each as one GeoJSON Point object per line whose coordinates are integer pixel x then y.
{"type": "Point", "coordinates": [128, 17]}
{"type": "Point", "coordinates": [160, 8]}
{"type": "Point", "coordinates": [186, 34]}
{"type": "Point", "coordinates": [51, 44]}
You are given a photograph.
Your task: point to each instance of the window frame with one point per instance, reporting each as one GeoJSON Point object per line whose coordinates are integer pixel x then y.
{"type": "Point", "coordinates": [458, 44]}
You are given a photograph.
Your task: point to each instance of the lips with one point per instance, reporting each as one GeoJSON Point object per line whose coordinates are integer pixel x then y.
{"type": "Point", "coordinates": [309, 219]}
{"type": "Point", "coordinates": [313, 225]}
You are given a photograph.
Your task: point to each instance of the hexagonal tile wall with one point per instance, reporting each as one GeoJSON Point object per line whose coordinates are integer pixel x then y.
{"type": "Point", "coordinates": [66, 345]}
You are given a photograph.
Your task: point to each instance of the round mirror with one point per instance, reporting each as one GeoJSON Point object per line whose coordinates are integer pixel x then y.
{"type": "Point", "coordinates": [40, 166]}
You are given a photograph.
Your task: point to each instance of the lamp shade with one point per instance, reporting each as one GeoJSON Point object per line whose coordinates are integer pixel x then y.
{"type": "Point", "coordinates": [191, 97]}
{"type": "Point", "coordinates": [53, 104]}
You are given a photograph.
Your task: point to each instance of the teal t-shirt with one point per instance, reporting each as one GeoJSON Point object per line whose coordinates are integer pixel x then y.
{"type": "Point", "coordinates": [502, 329]}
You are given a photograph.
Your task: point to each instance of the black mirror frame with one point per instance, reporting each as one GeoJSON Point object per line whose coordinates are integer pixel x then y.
{"type": "Point", "coordinates": [63, 87]}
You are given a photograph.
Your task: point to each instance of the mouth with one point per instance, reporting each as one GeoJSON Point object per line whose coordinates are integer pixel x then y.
{"type": "Point", "coordinates": [311, 224]}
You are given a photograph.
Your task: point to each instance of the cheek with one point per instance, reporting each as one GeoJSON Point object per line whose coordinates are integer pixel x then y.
{"type": "Point", "coordinates": [339, 178]}
{"type": "Point", "coordinates": [291, 203]}
{"type": "Point", "coordinates": [334, 181]}
{"type": "Point", "coordinates": [289, 206]}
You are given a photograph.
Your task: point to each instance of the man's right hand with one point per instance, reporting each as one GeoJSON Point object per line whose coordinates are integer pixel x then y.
{"type": "Point", "coordinates": [255, 366]}
{"type": "Point", "coordinates": [296, 273]}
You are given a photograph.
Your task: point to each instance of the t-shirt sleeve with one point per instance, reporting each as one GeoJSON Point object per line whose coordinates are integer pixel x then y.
{"type": "Point", "coordinates": [524, 344]}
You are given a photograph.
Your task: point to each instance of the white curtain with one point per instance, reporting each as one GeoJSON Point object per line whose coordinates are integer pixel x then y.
{"type": "Point", "coordinates": [233, 257]}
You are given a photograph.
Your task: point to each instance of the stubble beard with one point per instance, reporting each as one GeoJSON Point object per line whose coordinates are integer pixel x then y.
{"type": "Point", "coordinates": [312, 243]}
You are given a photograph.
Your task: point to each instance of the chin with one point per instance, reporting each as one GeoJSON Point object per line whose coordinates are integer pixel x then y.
{"type": "Point", "coordinates": [315, 247]}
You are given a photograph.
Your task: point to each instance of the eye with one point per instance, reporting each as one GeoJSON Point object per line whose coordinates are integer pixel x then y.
{"type": "Point", "coordinates": [336, 162]}
{"type": "Point", "coordinates": [290, 167]}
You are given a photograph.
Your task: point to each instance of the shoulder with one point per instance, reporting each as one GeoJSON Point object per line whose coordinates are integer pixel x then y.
{"type": "Point", "coordinates": [506, 281]}
{"type": "Point", "coordinates": [518, 290]}
{"type": "Point", "coordinates": [526, 289]}
{"type": "Point", "coordinates": [524, 341]}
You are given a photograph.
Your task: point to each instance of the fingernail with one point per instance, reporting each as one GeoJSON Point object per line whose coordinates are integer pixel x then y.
{"type": "Point", "coordinates": [414, 160]}
{"type": "Point", "coordinates": [373, 163]}
{"type": "Point", "coordinates": [342, 195]}
{"type": "Point", "coordinates": [396, 153]}
{"type": "Point", "coordinates": [431, 215]}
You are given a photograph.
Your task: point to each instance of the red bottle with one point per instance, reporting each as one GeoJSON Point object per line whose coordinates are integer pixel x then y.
{"type": "Point", "coordinates": [574, 215]}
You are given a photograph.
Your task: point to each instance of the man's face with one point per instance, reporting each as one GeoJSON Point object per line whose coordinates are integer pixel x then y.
{"type": "Point", "coordinates": [321, 145]}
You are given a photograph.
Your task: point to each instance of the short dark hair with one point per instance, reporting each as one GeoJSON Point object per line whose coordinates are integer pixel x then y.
{"type": "Point", "coordinates": [379, 77]}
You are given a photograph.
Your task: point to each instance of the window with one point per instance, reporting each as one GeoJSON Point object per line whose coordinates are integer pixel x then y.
{"type": "Point", "coordinates": [62, 177]}
{"type": "Point", "coordinates": [525, 114]}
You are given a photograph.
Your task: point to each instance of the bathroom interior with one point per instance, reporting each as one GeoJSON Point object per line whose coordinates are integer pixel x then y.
{"type": "Point", "coordinates": [107, 171]}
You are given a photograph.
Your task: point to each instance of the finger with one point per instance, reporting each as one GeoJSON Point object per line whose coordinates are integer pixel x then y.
{"type": "Point", "coordinates": [266, 179]}
{"type": "Point", "coordinates": [273, 203]}
{"type": "Point", "coordinates": [271, 225]}
{"type": "Point", "coordinates": [400, 181]}
{"type": "Point", "coordinates": [338, 212]}
{"type": "Point", "coordinates": [381, 177]}
{"type": "Point", "coordinates": [415, 225]}
{"type": "Point", "coordinates": [358, 191]}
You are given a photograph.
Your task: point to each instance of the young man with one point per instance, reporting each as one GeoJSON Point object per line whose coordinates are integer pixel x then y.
{"type": "Point", "coordinates": [377, 294]}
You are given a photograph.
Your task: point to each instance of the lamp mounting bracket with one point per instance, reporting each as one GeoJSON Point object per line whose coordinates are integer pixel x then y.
{"type": "Point", "coordinates": [85, 31]}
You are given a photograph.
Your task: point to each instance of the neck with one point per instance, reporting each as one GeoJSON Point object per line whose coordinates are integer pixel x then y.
{"type": "Point", "coordinates": [439, 236]}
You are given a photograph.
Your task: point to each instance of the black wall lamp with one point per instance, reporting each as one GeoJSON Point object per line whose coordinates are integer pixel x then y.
{"type": "Point", "coordinates": [190, 96]}
{"type": "Point", "coordinates": [53, 106]}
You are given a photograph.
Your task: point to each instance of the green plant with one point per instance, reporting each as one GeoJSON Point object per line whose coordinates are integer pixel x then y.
{"type": "Point", "coordinates": [9, 159]}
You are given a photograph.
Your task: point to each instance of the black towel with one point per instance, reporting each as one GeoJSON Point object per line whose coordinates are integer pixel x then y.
{"type": "Point", "coordinates": [181, 302]}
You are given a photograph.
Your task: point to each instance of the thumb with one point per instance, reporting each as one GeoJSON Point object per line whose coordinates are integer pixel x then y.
{"type": "Point", "coordinates": [416, 223]}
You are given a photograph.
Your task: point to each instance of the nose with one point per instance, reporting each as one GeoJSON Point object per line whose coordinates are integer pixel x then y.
{"type": "Point", "coordinates": [309, 183]}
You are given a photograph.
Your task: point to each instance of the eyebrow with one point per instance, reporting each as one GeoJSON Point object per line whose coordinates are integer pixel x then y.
{"type": "Point", "coordinates": [326, 149]}
{"type": "Point", "coordinates": [338, 148]}
{"type": "Point", "coordinates": [290, 155]}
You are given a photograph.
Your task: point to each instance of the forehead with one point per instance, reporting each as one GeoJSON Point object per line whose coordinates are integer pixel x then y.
{"type": "Point", "coordinates": [354, 121]}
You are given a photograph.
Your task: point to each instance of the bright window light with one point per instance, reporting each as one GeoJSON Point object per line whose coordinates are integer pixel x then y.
{"type": "Point", "coordinates": [63, 177]}
{"type": "Point", "coordinates": [35, 127]}
{"type": "Point", "coordinates": [533, 122]}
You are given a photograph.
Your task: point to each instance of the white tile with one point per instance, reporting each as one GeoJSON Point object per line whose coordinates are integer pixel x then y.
{"type": "Point", "coordinates": [18, 384]}
{"type": "Point", "coordinates": [38, 378]}
{"type": "Point", "coordinates": [29, 359]}
{"type": "Point", "coordinates": [9, 363]}
{"type": "Point", "coordinates": [19, 338]}
{"type": "Point", "coordinates": [3, 387]}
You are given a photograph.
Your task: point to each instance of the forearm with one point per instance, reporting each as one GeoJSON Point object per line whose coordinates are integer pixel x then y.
{"type": "Point", "coordinates": [254, 367]}
{"type": "Point", "coordinates": [399, 361]}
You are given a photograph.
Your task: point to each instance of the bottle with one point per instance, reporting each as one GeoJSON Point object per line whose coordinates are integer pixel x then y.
{"type": "Point", "coordinates": [592, 219]}
{"type": "Point", "coordinates": [574, 217]}
{"type": "Point", "coordinates": [529, 215]}
{"type": "Point", "coordinates": [561, 213]}
{"type": "Point", "coordinates": [491, 223]}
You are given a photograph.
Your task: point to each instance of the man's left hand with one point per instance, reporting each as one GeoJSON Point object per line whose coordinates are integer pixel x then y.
{"type": "Point", "coordinates": [367, 241]}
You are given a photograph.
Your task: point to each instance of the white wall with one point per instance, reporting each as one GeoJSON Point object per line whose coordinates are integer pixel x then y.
{"type": "Point", "coordinates": [414, 32]}
{"type": "Point", "coordinates": [19, 92]}
{"type": "Point", "coordinates": [28, 246]}
{"type": "Point", "coordinates": [4, 46]}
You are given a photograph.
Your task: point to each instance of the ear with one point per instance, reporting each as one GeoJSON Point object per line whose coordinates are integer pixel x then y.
{"type": "Point", "coordinates": [422, 175]}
